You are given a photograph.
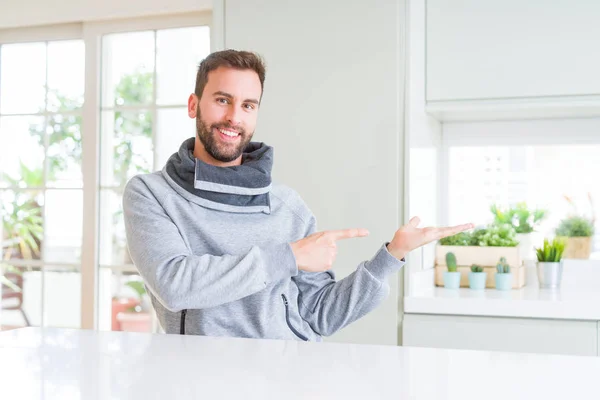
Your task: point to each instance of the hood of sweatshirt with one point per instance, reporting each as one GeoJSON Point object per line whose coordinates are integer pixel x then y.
{"type": "Point", "coordinates": [241, 188]}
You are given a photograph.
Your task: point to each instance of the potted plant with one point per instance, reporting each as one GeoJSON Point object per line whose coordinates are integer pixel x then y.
{"type": "Point", "coordinates": [577, 232]}
{"type": "Point", "coordinates": [477, 277]}
{"type": "Point", "coordinates": [525, 221]}
{"type": "Point", "coordinates": [482, 247]}
{"type": "Point", "coordinates": [136, 318]}
{"type": "Point", "coordinates": [503, 275]}
{"type": "Point", "coordinates": [452, 276]}
{"type": "Point", "coordinates": [550, 264]}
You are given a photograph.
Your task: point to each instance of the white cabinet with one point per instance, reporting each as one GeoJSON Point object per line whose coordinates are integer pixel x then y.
{"type": "Point", "coordinates": [503, 56]}
{"type": "Point", "coordinates": [511, 48]}
{"type": "Point", "coordinates": [502, 334]}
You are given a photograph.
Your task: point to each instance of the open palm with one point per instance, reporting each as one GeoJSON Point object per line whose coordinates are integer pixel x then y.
{"type": "Point", "coordinates": [410, 236]}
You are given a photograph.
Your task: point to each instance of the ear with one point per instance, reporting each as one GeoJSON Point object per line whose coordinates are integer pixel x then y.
{"type": "Point", "coordinates": [193, 105]}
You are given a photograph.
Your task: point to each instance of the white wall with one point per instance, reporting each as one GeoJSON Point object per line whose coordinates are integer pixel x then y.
{"type": "Point", "coordinates": [333, 111]}
{"type": "Point", "coordinates": [512, 48]}
{"type": "Point", "coordinates": [424, 138]}
{"type": "Point", "coordinates": [20, 13]}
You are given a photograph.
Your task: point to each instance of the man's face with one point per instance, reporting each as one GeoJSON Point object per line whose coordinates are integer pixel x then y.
{"type": "Point", "coordinates": [227, 112]}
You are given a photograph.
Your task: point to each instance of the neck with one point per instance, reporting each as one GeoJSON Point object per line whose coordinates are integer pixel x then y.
{"type": "Point", "coordinates": [201, 154]}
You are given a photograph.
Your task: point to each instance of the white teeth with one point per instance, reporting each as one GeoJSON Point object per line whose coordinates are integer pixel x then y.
{"type": "Point", "coordinates": [228, 133]}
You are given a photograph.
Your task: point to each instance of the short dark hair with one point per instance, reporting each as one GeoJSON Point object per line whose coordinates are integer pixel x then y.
{"type": "Point", "coordinates": [231, 59]}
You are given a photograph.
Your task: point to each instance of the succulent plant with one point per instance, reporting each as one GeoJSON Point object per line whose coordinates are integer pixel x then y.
{"type": "Point", "coordinates": [551, 251]}
{"type": "Point", "coordinates": [476, 268]}
{"type": "Point", "coordinates": [451, 262]}
{"type": "Point", "coordinates": [502, 266]}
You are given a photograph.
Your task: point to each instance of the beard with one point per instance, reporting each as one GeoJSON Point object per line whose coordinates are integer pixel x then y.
{"type": "Point", "coordinates": [218, 150]}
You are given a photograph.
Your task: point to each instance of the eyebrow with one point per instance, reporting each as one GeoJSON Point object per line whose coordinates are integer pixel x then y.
{"type": "Point", "coordinates": [224, 94]}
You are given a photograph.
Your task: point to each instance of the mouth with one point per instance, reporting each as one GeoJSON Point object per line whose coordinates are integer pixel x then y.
{"type": "Point", "coordinates": [228, 135]}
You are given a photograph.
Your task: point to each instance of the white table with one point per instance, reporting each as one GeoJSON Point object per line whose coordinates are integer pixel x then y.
{"type": "Point", "coordinates": [78, 364]}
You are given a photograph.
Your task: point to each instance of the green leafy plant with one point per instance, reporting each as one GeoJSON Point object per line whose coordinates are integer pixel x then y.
{"type": "Point", "coordinates": [502, 267]}
{"type": "Point", "coordinates": [22, 222]}
{"type": "Point", "coordinates": [460, 239]}
{"type": "Point", "coordinates": [497, 235]}
{"type": "Point", "coordinates": [551, 251]}
{"type": "Point", "coordinates": [451, 262]}
{"type": "Point", "coordinates": [4, 267]}
{"type": "Point", "coordinates": [523, 219]}
{"type": "Point", "coordinates": [575, 226]}
{"type": "Point", "coordinates": [476, 268]}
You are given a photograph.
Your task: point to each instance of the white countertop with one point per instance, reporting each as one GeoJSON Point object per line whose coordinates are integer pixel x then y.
{"type": "Point", "coordinates": [577, 299]}
{"type": "Point", "coordinates": [79, 364]}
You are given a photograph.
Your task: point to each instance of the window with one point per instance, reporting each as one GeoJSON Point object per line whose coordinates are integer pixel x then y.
{"type": "Point", "coordinates": [540, 175]}
{"type": "Point", "coordinates": [64, 161]}
{"type": "Point", "coordinates": [144, 120]}
{"type": "Point", "coordinates": [41, 195]}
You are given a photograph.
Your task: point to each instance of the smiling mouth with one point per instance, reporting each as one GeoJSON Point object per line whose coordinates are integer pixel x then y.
{"type": "Point", "coordinates": [228, 134]}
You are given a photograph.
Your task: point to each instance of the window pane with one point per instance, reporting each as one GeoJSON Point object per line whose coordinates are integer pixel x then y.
{"type": "Point", "coordinates": [178, 53]}
{"type": "Point", "coordinates": [64, 151]}
{"type": "Point", "coordinates": [63, 226]}
{"type": "Point", "coordinates": [126, 146]}
{"type": "Point", "coordinates": [124, 303]}
{"type": "Point", "coordinates": [173, 127]}
{"type": "Point", "coordinates": [21, 151]}
{"type": "Point", "coordinates": [62, 297]}
{"type": "Point", "coordinates": [113, 245]}
{"type": "Point", "coordinates": [540, 176]}
{"type": "Point", "coordinates": [22, 224]}
{"type": "Point", "coordinates": [22, 78]}
{"type": "Point", "coordinates": [21, 303]}
{"type": "Point", "coordinates": [66, 69]}
{"type": "Point", "coordinates": [127, 76]}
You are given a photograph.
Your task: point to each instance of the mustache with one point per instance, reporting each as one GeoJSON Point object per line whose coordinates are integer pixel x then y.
{"type": "Point", "coordinates": [229, 127]}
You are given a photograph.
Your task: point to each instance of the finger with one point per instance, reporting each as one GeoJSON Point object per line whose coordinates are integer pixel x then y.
{"type": "Point", "coordinates": [452, 230]}
{"type": "Point", "coordinates": [346, 233]}
{"type": "Point", "coordinates": [415, 221]}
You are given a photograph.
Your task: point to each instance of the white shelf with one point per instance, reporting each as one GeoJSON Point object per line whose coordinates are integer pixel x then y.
{"type": "Point", "coordinates": [577, 299]}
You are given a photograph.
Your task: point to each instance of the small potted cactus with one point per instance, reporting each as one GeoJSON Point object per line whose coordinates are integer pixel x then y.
{"type": "Point", "coordinates": [503, 275]}
{"type": "Point", "coordinates": [477, 277]}
{"type": "Point", "coordinates": [452, 276]}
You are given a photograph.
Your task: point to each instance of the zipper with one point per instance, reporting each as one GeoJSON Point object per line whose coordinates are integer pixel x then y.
{"type": "Point", "coordinates": [182, 328]}
{"type": "Point", "coordinates": [287, 319]}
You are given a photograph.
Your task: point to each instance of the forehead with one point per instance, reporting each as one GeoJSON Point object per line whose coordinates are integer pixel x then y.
{"type": "Point", "coordinates": [237, 82]}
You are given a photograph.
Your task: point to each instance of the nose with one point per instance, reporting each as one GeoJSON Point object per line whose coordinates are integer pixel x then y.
{"type": "Point", "coordinates": [233, 116]}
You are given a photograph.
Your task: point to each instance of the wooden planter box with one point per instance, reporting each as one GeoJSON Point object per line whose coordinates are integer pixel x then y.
{"type": "Point", "coordinates": [484, 256]}
{"type": "Point", "coordinates": [578, 248]}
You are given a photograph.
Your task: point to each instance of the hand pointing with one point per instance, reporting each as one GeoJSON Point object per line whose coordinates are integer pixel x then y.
{"type": "Point", "coordinates": [317, 252]}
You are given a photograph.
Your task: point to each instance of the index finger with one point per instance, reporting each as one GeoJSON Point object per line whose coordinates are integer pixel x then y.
{"type": "Point", "coordinates": [452, 230]}
{"type": "Point", "coordinates": [346, 233]}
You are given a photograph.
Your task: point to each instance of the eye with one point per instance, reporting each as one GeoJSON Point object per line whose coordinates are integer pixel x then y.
{"type": "Point", "coordinates": [249, 106]}
{"type": "Point", "coordinates": [222, 100]}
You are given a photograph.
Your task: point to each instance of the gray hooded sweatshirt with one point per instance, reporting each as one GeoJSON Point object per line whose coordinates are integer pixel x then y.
{"type": "Point", "coordinates": [212, 245]}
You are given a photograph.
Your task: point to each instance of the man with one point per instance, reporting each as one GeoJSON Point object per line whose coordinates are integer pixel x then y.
{"type": "Point", "coordinates": [223, 250]}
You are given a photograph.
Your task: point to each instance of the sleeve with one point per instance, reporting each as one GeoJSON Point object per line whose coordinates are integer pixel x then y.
{"type": "Point", "coordinates": [329, 305]}
{"type": "Point", "coordinates": [181, 280]}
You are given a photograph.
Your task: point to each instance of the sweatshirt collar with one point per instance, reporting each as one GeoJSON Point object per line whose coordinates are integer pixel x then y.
{"type": "Point", "coordinates": [242, 188]}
